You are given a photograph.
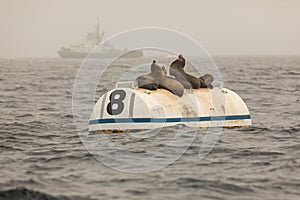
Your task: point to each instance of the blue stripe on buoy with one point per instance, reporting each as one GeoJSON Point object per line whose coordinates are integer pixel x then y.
{"type": "Point", "coordinates": [168, 120]}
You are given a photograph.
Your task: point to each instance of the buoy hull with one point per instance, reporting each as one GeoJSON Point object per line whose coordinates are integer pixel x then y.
{"type": "Point", "coordinates": [139, 109]}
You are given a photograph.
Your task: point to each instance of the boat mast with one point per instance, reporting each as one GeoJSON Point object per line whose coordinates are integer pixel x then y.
{"type": "Point", "coordinates": [98, 34]}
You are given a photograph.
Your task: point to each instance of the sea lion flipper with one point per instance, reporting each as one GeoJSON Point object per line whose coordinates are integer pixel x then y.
{"type": "Point", "coordinates": [206, 81]}
{"type": "Point", "coordinates": [173, 86]}
{"type": "Point", "coordinates": [146, 81]}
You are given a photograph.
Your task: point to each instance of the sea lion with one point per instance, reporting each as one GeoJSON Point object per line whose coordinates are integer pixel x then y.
{"type": "Point", "coordinates": [179, 77]}
{"type": "Point", "coordinates": [158, 79]}
{"type": "Point", "coordinates": [171, 84]}
{"type": "Point", "coordinates": [151, 81]}
{"type": "Point", "coordinates": [187, 80]}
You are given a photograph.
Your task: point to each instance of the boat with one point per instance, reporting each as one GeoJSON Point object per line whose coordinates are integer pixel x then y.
{"type": "Point", "coordinates": [134, 109]}
{"type": "Point", "coordinates": [93, 39]}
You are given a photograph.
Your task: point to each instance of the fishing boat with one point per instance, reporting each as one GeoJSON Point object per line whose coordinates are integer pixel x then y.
{"type": "Point", "coordinates": [93, 39]}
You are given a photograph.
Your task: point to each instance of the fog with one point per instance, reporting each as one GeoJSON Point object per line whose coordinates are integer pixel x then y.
{"type": "Point", "coordinates": [231, 27]}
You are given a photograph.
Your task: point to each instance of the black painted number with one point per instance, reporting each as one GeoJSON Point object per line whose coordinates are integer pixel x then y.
{"type": "Point", "coordinates": [116, 104]}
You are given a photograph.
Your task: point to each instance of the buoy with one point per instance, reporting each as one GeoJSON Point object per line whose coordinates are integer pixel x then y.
{"type": "Point", "coordinates": [123, 109]}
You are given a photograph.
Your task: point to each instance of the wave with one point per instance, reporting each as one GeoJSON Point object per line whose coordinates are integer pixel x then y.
{"type": "Point", "coordinates": [291, 73]}
{"type": "Point", "coordinates": [24, 115]}
{"type": "Point", "coordinates": [255, 129]}
{"type": "Point", "coordinates": [216, 185]}
{"type": "Point", "coordinates": [28, 194]}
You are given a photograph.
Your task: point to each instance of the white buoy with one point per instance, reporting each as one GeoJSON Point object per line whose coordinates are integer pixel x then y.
{"type": "Point", "coordinates": [138, 109]}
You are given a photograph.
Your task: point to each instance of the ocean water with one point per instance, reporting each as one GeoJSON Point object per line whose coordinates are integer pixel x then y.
{"type": "Point", "coordinates": [42, 156]}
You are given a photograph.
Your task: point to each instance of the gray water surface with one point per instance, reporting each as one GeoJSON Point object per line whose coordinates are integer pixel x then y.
{"type": "Point", "coordinates": [42, 157]}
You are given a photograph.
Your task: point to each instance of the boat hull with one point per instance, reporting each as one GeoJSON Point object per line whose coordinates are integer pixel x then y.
{"type": "Point", "coordinates": [76, 54]}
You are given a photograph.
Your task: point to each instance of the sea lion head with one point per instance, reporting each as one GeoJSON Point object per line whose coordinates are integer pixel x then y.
{"type": "Point", "coordinates": [179, 63]}
{"type": "Point", "coordinates": [156, 72]}
{"type": "Point", "coordinates": [181, 59]}
{"type": "Point", "coordinates": [155, 67]}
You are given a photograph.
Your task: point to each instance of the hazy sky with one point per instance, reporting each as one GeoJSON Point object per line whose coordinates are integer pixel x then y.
{"type": "Point", "coordinates": [40, 27]}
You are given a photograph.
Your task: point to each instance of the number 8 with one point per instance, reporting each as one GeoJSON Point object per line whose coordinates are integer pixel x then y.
{"type": "Point", "coordinates": [116, 101]}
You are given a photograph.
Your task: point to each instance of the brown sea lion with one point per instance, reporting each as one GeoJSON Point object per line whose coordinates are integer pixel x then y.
{"type": "Point", "coordinates": [187, 80]}
{"type": "Point", "coordinates": [171, 84]}
{"type": "Point", "coordinates": [158, 79]}
{"type": "Point", "coordinates": [151, 81]}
